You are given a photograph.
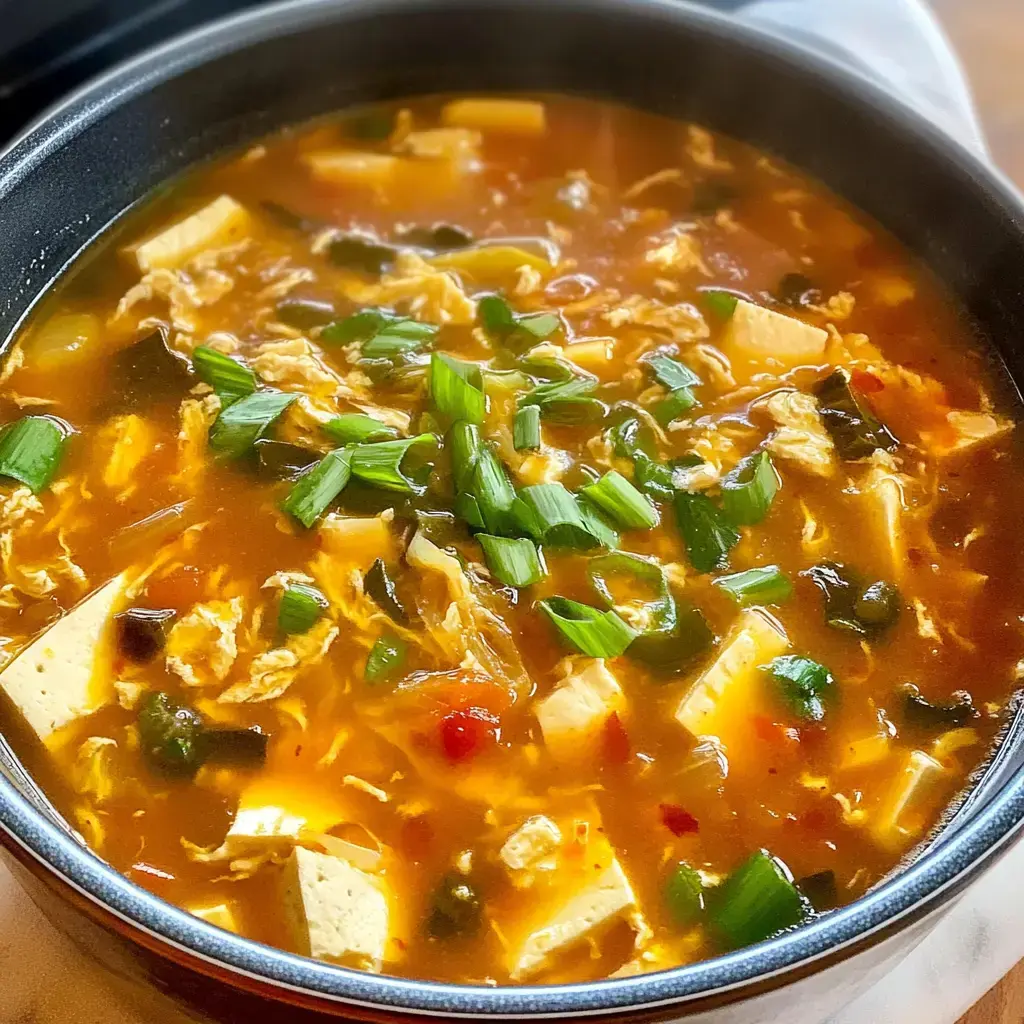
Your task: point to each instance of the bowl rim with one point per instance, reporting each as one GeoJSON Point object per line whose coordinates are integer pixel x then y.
{"type": "Point", "coordinates": [942, 870]}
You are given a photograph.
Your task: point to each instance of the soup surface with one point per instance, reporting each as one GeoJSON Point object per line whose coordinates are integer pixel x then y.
{"type": "Point", "coordinates": [504, 541]}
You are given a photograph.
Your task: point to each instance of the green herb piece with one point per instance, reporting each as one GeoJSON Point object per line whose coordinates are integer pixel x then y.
{"type": "Point", "coordinates": [169, 735]}
{"type": "Point", "coordinates": [684, 895]}
{"type": "Point", "coordinates": [355, 428]}
{"type": "Point", "coordinates": [383, 464]}
{"type": "Point", "coordinates": [749, 490]}
{"type": "Point", "coordinates": [513, 560]}
{"type": "Point", "coordinates": [516, 331]}
{"type": "Point", "coordinates": [720, 302]}
{"type": "Point", "coordinates": [243, 423]}
{"type": "Point", "coordinates": [304, 314]}
{"type": "Point", "coordinates": [762, 586]}
{"type": "Point", "coordinates": [300, 607]}
{"type": "Point", "coordinates": [356, 252]}
{"type": "Point", "coordinates": [229, 378]}
{"type": "Point", "coordinates": [438, 237]}
{"type": "Point", "coordinates": [279, 460]}
{"type": "Point", "coordinates": [855, 430]}
{"type": "Point", "coordinates": [31, 450]}
{"type": "Point", "coordinates": [622, 502]}
{"type": "Point", "coordinates": [706, 530]}
{"type": "Point", "coordinates": [820, 890]}
{"type": "Point", "coordinates": [318, 487]}
{"type": "Point", "coordinates": [850, 604]}
{"type": "Point", "coordinates": [457, 388]}
{"type": "Point", "coordinates": [795, 289]}
{"type": "Point", "coordinates": [758, 900]}
{"type": "Point", "coordinates": [922, 713]}
{"type": "Point", "coordinates": [632, 439]}
{"type": "Point", "coordinates": [526, 429]}
{"type": "Point", "coordinates": [456, 909]}
{"type": "Point", "coordinates": [385, 659]}
{"type": "Point", "coordinates": [601, 634]}
{"type": "Point", "coordinates": [379, 585]}
{"type": "Point", "coordinates": [804, 685]}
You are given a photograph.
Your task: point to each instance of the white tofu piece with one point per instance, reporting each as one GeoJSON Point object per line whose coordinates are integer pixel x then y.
{"type": "Point", "coordinates": [537, 838]}
{"type": "Point", "coordinates": [217, 224]}
{"type": "Point", "coordinates": [608, 899]}
{"type": "Point", "coordinates": [882, 493]}
{"type": "Point", "coordinates": [903, 814]}
{"type": "Point", "coordinates": [710, 708]}
{"type": "Point", "coordinates": [571, 717]}
{"type": "Point", "coordinates": [514, 117]}
{"type": "Point", "coordinates": [55, 680]}
{"type": "Point", "coordinates": [337, 911]}
{"type": "Point", "coordinates": [350, 167]}
{"type": "Point", "coordinates": [221, 914]}
{"type": "Point", "coordinates": [759, 340]}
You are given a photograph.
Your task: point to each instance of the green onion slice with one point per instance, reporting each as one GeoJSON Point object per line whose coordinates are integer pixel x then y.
{"type": "Point", "coordinates": [229, 378]}
{"type": "Point", "coordinates": [684, 895]}
{"type": "Point", "coordinates": [706, 530]}
{"type": "Point", "coordinates": [721, 302]}
{"type": "Point", "coordinates": [493, 491]}
{"type": "Point", "coordinates": [553, 516]}
{"type": "Point", "coordinates": [318, 487]}
{"type": "Point", "coordinates": [513, 560]}
{"type": "Point", "coordinates": [385, 658]}
{"type": "Point", "coordinates": [464, 445]}
{"type": "Point", "coordinates": [383, 464]}
{"type": "Point", "coordinates": [243, 423]}
{"type": "Point", "coordinates": [756, 901]}
{"type": "Point", "coordinates": [467, 508]}
{"type": "Point", "coordinates": [567, 401]}
{"type": "Point", "coordinates": [670, 373]}
{"type": "Point", "coordinates": [854, 429]}
{"type": "Point", "coordinates": [749, 490]}
{"type": "Point", "coordinates": [378, 584]}
{"type": "Point", "coordinates": [804, 685]}
{"type": "Point", "coordinates": [381, 333]}
{"type": "Point", "coordinates": [457, 388]}
{"type": "Point", "coordinates": [622, 502]}
{"type": "Point", "coordinates": [526, 429]}
{"type": "Point", "coordinates": [31, 450]}
{"type": "Point", "coordinates": [601, 634]}
{"type": "Point", "coordinates": [516, 331]}
{"type": "Point", "coordinates": [765, 585]}
{"type": "Point", "coordinates": [301, 605]}
{"type": "Point", "coordinates": [677, 402]}
{"type": "Point", "coordinates": [356, 428]}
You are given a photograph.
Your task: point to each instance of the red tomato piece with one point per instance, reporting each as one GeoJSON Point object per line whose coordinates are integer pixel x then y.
{"type": "Point", "coordinates": [866, 382]}
{"type": "Point", "coordinates": [678, 821]}
{"type": "Point", "coordinates": [464, 733]}
{"type": "Point", "coordinates": [615, 740]}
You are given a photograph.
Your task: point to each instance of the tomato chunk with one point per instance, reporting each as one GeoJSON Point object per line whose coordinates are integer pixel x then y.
{"type": "Point", "coordinates": [466, 732]}
{"type": "Point", "coordinates": [678, 821]}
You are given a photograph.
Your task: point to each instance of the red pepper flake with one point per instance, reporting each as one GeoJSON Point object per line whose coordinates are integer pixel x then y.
{"type": "Point", "coordinates": [466, 732]}
{"type": "Point", "coordinates": [678, 821]}
{"type": "Point", "coordinates": [866, 382]}
{"type": "Point", "coordinates": [616, 740]}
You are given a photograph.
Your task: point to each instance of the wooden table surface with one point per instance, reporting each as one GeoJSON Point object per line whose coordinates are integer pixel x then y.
{"type": "Point", "coordinates": [989, 35]}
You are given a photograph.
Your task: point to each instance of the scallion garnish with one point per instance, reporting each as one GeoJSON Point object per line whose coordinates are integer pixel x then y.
{"type": "Point", "coordinates": [383, 464]}
{"type": "Point", "coordinates": [566, 401]}
{"type": "Point", "coordinates": [318, 487]}
{"type": "Point", "coordinates": [673, 406]}
{"type": "Point", "coordinates": [765, 585]}
{"type": "Point", "coordinates": [356, 428]}
{"type": "Point", "coordinates": [358, 252]}
{"type": "Point", "coordinates": [31, 449]}
{"type": "Point", "coordinates": [756, 901]}
{"type": "Point", "coordinates": [493, 492]}
{"type": "Point", "coordinates": [526, 429]}
{"type": "Point", "coordinates": [622, 502]}
{"type": "Point", "coordinates": [749, 490]}
{"type": "Point", "coordinates": [601, 634]}
{"type": "Point", "coordinates": [855, 430]}
{"type": "Point", "coordinates": [804, 684]}
{"type": "Point", "coordinates": [457, 388]}
{"type": "Point", "coordinates": [464, 445]}
{"type": "Point", "coordinates": [301, 605]}
{"type": "Point", "coordinates": [720, 302]}
{"type": "Point", "coordinates": [707, 532]}
{"type": "Point", "coordinates": [229, 378]}
{"type": "Point", "coordinates": [516, 331]}
{"type": "Point", "coordinates": [385, 658]}
{"type": "Point", "coordinates": [467, 508]}
{"type": "Point", "coordinates": [684, 895]}
{"type": "Point", "coordinates": [670, 373]}
{"type": "Point", "coordinates": [513, 560]}
{"type": "Point", "coordinates": [382, 334]}
{"type": "Point", "coordinates": [553, 516]}
{"type": "Point", "coordinates": [243, 423]}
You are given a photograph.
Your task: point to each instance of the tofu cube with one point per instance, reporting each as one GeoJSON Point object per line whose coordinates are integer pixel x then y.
{"type": "Point", "coordinates": [514, 117]}
{"type": "Point", "coordinates": [220, 914]}
{"type": "Point", "coordinates": [759, 340]}
{"type": "Point", "coordinates": [60, 676]}
{"type": "Point", "coordinates": [349, 167]}
{"type": "Point", "coordinates": [720, 701]}
{"type": "Point", "coordinates": [217, 224]}
{"type": "Point", "coordinates": [536, 839]}
{"type": "Point", "coordinates": [903, 815]}
{"type": "Point", "coordinates": [572, 716]}
{"type": "Point", "coordinates": [337, 912]}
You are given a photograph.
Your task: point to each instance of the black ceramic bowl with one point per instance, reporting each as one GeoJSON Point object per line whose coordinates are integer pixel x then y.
{"type": "Point", "coordinates": [91, 159]}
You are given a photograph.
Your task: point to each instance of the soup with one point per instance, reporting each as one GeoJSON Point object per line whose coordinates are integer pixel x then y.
{"type": "Point", "coordinates": [504, 541]}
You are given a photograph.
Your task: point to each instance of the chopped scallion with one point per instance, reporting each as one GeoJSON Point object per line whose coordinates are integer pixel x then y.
{"type": "Point", "coordinates": [673, 406]}
{"type": "Point", "coordinates": [243, 423]}
{"type": "Point", "coordinates": [566, 401]}
{"type": "Point", "coordinates": [516, 331]}
{"type": "Point", "coordinates": [622, 502]}
{"type": "Point", "coordinates": [382, 334]}
{"type": "Point", "coordinates": [467, 508]}
{"type": "Point", "coordinates": [385, 659]}
{"type": "Point", "coordinates": [464, 445]}
{"type": "Point", "coordinates": [457, 388]}
{"type": "Point", "coordinates": [749, 490]}
{"type": "Point", "coordinates": [301, 605]}
{"type": "Point", "coordinates": [765, 585]}
{"type": "Point", "coordinates": [804, 685]}
{"type": "Point", "coordinates": [318, 487]}
{"type": "Point", "coordinates": [553, 516]}
{"type": "Point", "coordinates": [383, 464]}
{"type": "Point", "coordinates": [526, 429]}
{"type": "Point", "coordinates": [706, 530]}
{"type": "Point", "coordinates": [601, 634]}
{"type": "Point", "coordinates": [670, 373]}
{"type": "Point", "coordinates": [684, 895]}
{"type": "Point", "coordinates": [513, 560]}
{"type": "Point", "coordinates": [720, 302]}
{"type": "Point", "coordinates": [493, 491]}
{"type": "Point", "coordinates": [31, 449]}
{"type": "Point", "coordinates": [229, 378]}
{"type": "Point", "coordinates": [356, 428]}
